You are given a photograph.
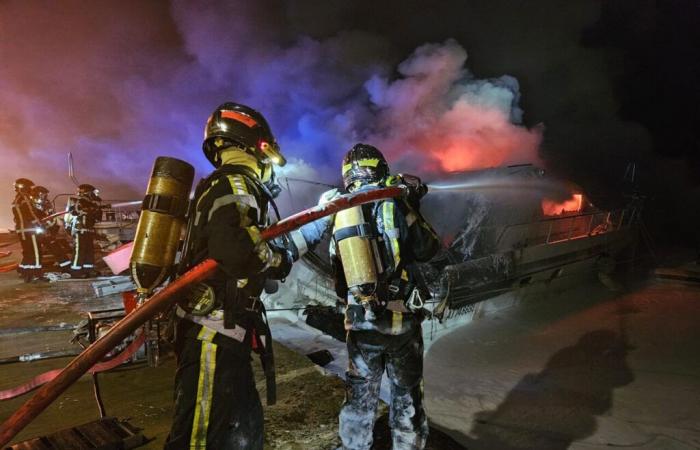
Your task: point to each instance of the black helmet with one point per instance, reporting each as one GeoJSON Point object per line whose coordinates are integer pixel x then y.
{"type": "Point", "coordinates": [88, 190]}
{"type": "Point", "coordinates": [23, 185]}
{"type": "Point", "coordinates": [364, 164]}
{"type": "Point", "coordinates": [40, 196]}
{"type": "Point", "coordinates": [39, 192]}
{"type": "Point", "coordinates": [233, 124]}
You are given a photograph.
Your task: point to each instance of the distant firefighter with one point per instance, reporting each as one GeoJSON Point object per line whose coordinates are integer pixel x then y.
{"type": "Point", "coordinates": [50, 240]}
{"type": "Point", "coordinates": [374, 251]}
{"type": "Point", "coordinates": [83, 212]}
{"type": "Point", "coordinates": [28, 227]}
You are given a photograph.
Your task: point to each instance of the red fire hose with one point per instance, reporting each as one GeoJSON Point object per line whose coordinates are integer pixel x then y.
{"type": "Point", "coordinates": [159, 302]}
{"type": "Point", "coordinates": [45, 377]}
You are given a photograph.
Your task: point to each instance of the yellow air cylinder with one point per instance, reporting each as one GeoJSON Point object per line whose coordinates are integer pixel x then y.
{"type": "Point", "coordinates": [356, 252]}
{"type": "Point", "coordinates": [161, 222]}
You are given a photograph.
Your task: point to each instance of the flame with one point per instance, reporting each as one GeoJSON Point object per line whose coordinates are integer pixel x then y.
{"type": "Point", "coordinates": [572, 205]}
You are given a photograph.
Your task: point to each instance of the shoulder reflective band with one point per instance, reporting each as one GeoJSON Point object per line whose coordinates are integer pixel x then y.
{"type": "Point", "coordinates": [362, 230]}
{"type": "Point", "coordinates": [391, 232]}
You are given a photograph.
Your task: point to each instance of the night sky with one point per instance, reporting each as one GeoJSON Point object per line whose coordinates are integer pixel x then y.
{"type": "Point", "coordinates": [580, 87]}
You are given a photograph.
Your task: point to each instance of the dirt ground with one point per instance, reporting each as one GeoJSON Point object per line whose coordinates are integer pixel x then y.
{"type": "Point", "coordinates": [305, 416]}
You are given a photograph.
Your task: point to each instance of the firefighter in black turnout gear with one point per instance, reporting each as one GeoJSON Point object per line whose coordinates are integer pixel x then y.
{"type": "Point", "coordinates": [83, 212]}
{"type": "Point", "coordinates": [217, 405]}
{"type": "Point", "coordinates": [374, 251]}
{"type": "Point", "coordinates": [50, 240]}
{"type": "Point", "coordinates": [28, 228]}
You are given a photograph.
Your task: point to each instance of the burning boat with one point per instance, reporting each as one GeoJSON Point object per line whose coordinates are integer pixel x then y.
{"type": "Point", "coordinates": [118, 223]}
{"type": "Point", "coordinates": [504, 231]}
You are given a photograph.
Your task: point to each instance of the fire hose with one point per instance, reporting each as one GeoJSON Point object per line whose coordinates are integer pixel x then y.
{"type": "Point", "coordinates": [51, 374]}
{"type": "Point", "coordinates": [158, 303]}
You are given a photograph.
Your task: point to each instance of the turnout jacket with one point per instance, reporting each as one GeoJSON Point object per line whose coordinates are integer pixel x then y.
{"type": "Point", "coordinates": [229, 209]}
{"type": "Point", "coordinates": [25, 216]}
{"type": "Point", "coordinates": [51, 226]}
{"type": "Point", "coordinates": [405, 238]}
{"type": "Point", "coordinates": [82, 215]}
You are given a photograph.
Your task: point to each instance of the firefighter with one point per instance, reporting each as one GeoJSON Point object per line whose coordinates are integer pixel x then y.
{"type": "Point", "coordinates": [216, 402]}
{"type": "Point", "coordinates": [50, 239]}
{"type": "Point", "coordinates": [28, 227]}
{"type": "Point", "coordinates": [374, 251]}
{"type": "Point", "coordinates": [83, 212]}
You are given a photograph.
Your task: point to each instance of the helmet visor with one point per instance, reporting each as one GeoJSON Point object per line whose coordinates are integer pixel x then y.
{"type": "Point", "coordinates": [361, 174]}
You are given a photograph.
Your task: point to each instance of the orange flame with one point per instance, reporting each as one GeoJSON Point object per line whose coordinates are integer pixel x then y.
{"type": "Point", "coordinates": [572, 205]}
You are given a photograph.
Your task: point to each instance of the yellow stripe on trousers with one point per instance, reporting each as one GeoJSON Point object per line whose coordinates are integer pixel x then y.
{"type": "Point", "coordinates": [205, 390]}
{"type": "Point", "coordinates": [77, 251]}
{"type": "Point", "coordinates": [37, 259]}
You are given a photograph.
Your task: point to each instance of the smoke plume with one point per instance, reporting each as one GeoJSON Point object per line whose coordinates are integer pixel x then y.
{"type": "Point", "coordinates": [119, 92]}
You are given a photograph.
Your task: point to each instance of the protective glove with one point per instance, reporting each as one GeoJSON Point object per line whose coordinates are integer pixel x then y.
{"type": "Point", "coordinates": [309, 235]}
{"type": "Point", "coordinates": [285, 242]}
{"type": "Point", "coordinates": [415, 191]}
{"type": "Point", "coordinates": [329, 196]}
{"type": "Point", "coordinates": [281, 262]}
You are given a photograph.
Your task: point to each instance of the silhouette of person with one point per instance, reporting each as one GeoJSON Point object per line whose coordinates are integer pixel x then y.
{"type": "Point", "coordinates": [551, 409]}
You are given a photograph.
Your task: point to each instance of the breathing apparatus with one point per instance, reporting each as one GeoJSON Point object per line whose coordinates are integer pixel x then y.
{"type": "Point", "coordinates": [358, 244]}
{"type": "Point", "coordinates": [234, 135]}
{"type": "Point", "coordinates": [161, 223]}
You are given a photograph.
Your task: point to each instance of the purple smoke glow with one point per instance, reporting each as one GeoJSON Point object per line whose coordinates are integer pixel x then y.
{"type": "Point", "coordinates": [118, 85]}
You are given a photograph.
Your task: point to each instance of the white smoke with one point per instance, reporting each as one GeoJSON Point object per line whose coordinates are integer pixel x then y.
{"type": "Point", "coordinates": [438, 116]}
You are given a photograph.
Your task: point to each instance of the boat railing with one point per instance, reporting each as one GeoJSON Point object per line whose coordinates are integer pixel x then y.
{"type": "Point", "coordinates": [565, 228]}
{"type": "Point", "coordinates": [120, 217]}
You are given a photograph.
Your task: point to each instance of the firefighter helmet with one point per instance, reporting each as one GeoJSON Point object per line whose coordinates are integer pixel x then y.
{"type": "Point", "coordinates": [23, 185]}
{"type": "Point", "coordinates": [39, 194]}
{"type": "Point", "coordinates": [364, 164]}
{"type": "Point", "coordinates": [88, 190]}
{"type": "Point", "coordinates": [236, 125]}
{"type": "Point", "coordinates": [39, 191]}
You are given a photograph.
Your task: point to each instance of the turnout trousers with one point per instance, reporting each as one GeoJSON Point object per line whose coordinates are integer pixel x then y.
{"type": "Point", "coordinates": [30, 266]}
{"type": "Point", "coordinates": [217, 406]}
{"type": "Point", "coordinates": [370, 353]}
{"type": "Point", "coordinates": [84, 251]}
{"type": "Point", "coordinates": [59, 249]}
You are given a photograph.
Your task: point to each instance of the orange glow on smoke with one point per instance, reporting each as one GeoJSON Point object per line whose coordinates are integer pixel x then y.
{"type": "Point", "coordinates": [466, 137]}
{"type": "Point", "coordinates": [572, 205]}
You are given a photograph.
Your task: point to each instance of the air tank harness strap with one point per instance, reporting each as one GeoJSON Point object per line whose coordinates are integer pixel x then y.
{"type": "Point", "coordinates": [262, 345]}
{"type": "Point", "coordinates": [361, 230]}
{"type": "Point", "coordinates": [397, 285]}
{"type": "Point", "coordinates": [251, 311]}
{"type": "Point", "coordinates": [166, 204]}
